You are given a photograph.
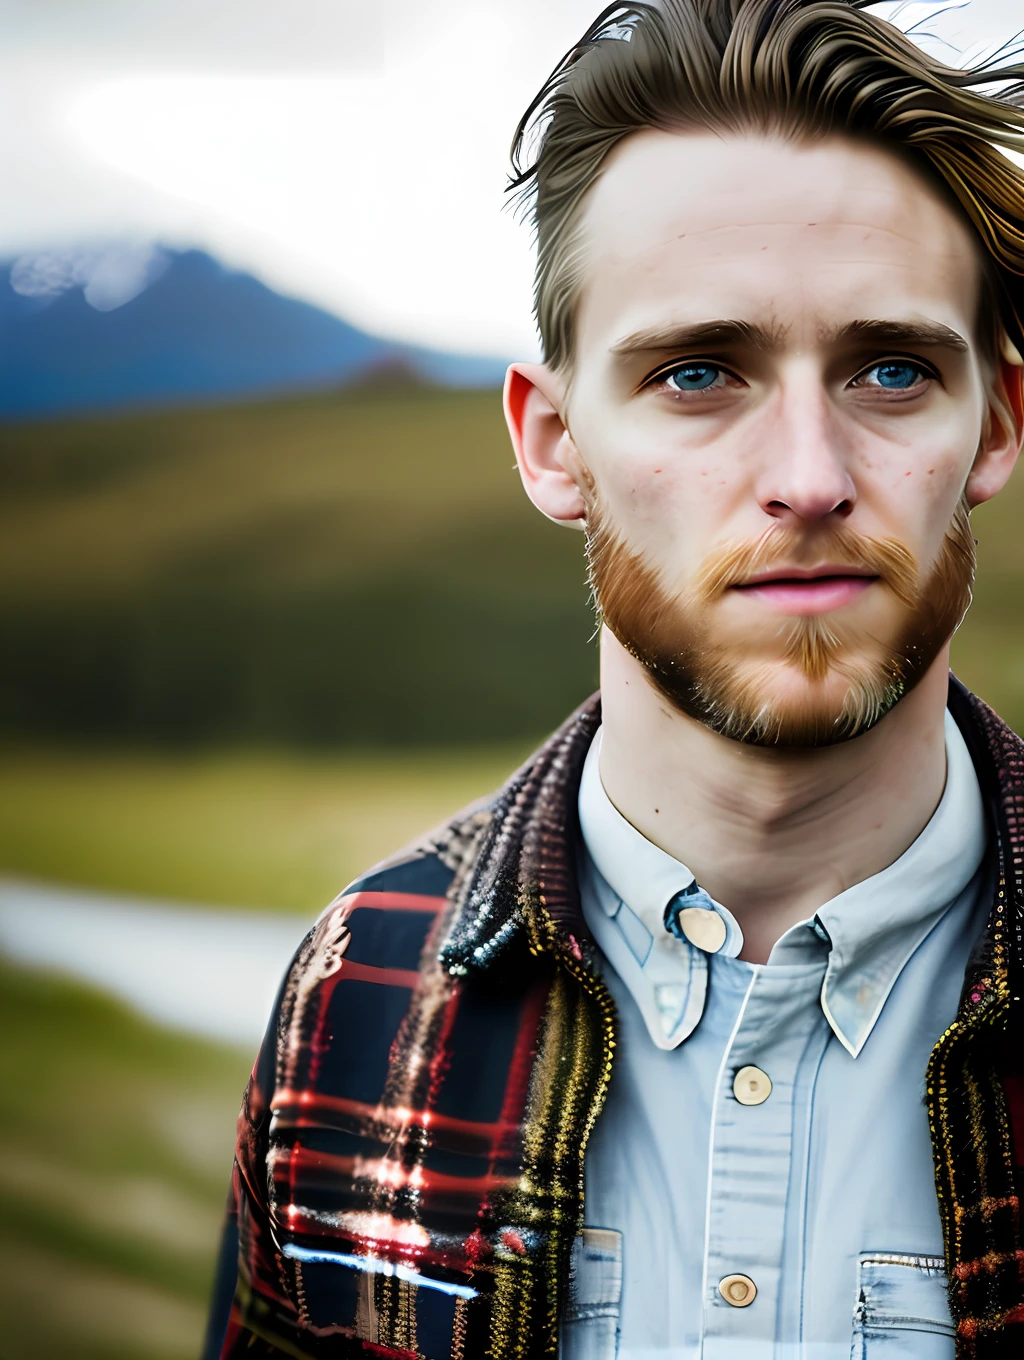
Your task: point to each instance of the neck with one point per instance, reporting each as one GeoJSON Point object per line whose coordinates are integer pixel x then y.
{"type": "Point", "coordinates": [772, 834]}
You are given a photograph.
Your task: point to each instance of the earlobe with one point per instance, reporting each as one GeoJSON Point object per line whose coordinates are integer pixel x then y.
{"type": "Point", "coordinates": [1003, 435]}
{"type": "Point", "coordinates": [545, 453]}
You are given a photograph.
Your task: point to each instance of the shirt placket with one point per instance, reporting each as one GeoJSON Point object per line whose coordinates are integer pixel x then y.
{"type": "Point", "coordinates": [755, 1190]}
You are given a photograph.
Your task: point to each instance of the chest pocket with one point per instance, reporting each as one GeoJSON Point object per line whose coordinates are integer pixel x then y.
{"type": "Point", "coordinates": [902, 1309]}
{"type": "Point", "coordinates": [590, 1322]}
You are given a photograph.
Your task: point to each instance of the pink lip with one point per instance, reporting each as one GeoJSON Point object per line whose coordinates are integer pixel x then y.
{"type": "Point", "coordinates": [802, 592]}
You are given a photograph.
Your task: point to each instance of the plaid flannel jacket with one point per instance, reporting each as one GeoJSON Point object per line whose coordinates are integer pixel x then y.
{"type": "Point", "coordinates": [409, 1167]}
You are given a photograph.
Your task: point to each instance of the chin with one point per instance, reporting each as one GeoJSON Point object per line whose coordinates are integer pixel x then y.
{"type": "Point", "coordinates": [780, 705]}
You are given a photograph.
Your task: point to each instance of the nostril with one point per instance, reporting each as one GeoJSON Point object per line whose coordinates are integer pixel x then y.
{"type": "Point", "coordinates": [780, 509]}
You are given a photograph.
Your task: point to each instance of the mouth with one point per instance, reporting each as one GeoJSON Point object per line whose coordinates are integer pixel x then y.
{"type": "Point", "coordinates": [807, 590]}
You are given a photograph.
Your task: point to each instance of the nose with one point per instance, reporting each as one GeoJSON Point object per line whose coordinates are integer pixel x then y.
{"type": "Point", "coordinates": [806, 469]}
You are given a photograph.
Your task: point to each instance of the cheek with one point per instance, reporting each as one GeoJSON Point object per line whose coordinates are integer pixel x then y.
{"type": "Point", "coordinates": [667, 511]}
{"type": "Point", "coordinates": [671, 505]}
{"type": "Point", "coordinates": [650, 483]}
{"type": "Point", "coordinates": [659, 489]}
{"type": "Point", "coordinates": [914, 495]}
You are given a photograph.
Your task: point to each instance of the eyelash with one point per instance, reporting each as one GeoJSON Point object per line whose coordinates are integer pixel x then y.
{"type": "Point", "coordinates": [663, 374]}
{"type": "Point", "coordinates": [923, 369]}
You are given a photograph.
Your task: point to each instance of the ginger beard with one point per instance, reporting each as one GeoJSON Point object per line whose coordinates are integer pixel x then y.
{"type": "Point", "coordinates": [789, 680]}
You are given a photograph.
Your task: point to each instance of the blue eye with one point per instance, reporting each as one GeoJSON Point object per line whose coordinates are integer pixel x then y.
{"type": "Point", "coordinates": [895, 376]}
{"type": "Point", "coordinates": [693, 377]}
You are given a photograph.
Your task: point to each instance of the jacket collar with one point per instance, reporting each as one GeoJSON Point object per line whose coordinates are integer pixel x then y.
{"type": "Point", "coordinates": [997, 961]}
{"type": "Point", "coordinates": [521, 894]}
{"type": "Point", "coordinates": [522, 890]}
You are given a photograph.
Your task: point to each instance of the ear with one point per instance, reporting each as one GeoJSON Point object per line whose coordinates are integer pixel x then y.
{"type": "Point", "coordinates": [546, 455]}
{"type": "Point", "coordinates": [1003, 433]}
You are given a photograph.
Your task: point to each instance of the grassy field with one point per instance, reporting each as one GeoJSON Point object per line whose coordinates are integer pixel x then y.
{"type": "Point", "coordinates": [115, 1151]}
{"type": "Point", "coordinates": [283, 832]}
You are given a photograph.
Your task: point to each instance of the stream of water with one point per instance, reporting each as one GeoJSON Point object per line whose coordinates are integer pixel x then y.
{"type": "Point", "coordinates": [202, 969]}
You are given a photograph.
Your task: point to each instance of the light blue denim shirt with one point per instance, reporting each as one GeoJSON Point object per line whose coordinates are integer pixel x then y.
{"type": "Point", "coordinates": [760, 1184]}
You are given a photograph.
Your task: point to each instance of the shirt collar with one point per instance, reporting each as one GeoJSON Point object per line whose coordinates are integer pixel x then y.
{"type": "Point", "coordinates": [868, 933]}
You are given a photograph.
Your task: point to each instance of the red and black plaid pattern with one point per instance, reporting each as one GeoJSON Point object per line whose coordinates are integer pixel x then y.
{"type": "Point", "coordinates": [393, 1115]}
{"type": "Point", "coordinates": [409, 1165]}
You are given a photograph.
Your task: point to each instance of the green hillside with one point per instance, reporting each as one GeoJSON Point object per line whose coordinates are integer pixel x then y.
{"type": "Point", "coordinates": [346, 568]}
{"type": "Point", "coordinates": [351, 568]}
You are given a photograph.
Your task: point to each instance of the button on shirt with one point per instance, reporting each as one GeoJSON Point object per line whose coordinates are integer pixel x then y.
{"type": "Point", "coordinates": [760, 1183]}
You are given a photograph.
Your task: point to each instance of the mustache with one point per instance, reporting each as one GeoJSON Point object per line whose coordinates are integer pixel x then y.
{"type": "Point", "coordinates": [734, 564]}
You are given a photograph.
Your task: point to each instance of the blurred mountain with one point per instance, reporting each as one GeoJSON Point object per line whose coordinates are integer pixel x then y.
{"type": "Point", "coordinates": [122, 327]}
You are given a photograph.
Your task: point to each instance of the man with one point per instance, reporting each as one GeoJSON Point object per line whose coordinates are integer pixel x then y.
{"type": "Point", "coordinates": [702, 1036]}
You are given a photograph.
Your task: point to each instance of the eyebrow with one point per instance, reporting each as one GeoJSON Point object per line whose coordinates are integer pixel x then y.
{"type": "Point", "coordinates": [898, 333]}
{"type": "Point", "coordinates": [766, 338]}
{"type": "Point", "coordinates": [674, 337]}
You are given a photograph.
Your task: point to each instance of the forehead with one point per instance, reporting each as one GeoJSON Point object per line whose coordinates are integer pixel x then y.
{"type": "Point", "coordinates": [692, 226]}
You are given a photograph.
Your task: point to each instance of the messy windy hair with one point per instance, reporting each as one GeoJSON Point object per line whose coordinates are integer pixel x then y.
{"type": "Point", "coordinates": [803, 68]}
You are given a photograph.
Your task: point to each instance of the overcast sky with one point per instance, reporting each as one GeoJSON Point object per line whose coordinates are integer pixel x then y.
{"type": "Point", "coordinates": [351, 158]}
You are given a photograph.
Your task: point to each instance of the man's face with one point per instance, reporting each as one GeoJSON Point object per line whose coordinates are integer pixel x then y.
{"type": "Point", "coordinates": [777, 397]}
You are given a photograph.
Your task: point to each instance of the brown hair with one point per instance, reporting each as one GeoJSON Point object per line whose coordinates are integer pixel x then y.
{"type": "Point", "coordinates": [799, 67]}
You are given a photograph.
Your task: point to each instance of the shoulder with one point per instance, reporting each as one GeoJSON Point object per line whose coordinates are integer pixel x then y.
{"type": "Point", "coordinates": [392, 1094]}
{"type": "Point", "coordinates": [384, 918]}
{"type": "Point", "coordinates": [351, 982]}
{"type": "Point", "coordinates": [374, 974]}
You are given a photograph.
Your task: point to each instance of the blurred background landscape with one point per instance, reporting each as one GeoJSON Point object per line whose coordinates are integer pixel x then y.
{"type": "Point", "coordinates": [272, 601]}
{"type": "Point", "coordinates": [249, 647]}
